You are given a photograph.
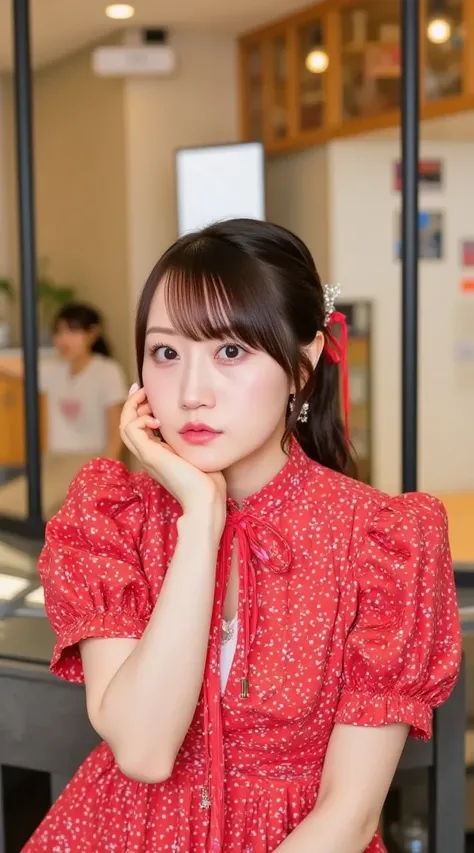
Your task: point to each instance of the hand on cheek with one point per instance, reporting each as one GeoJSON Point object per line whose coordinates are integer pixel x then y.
{"type": "Point", "coordinates": [144, 408]}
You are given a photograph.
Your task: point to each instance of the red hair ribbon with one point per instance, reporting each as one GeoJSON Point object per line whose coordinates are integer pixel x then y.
{"type": "Point", "coordinates": [336, 352]}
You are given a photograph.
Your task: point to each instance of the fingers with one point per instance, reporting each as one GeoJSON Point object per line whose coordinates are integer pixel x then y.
{"type": "Point", "coordinates": [137, 424]}
{"type": "Point", "coordinates": [145, 409]}
{"type": "Point", "coordinates": [138, 431]}
{"type": "Point", "coordinates": [130, 410]}
{"type": "Point", "coordinates": [146, 421]}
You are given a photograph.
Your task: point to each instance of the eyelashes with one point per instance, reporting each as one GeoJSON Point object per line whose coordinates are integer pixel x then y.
{"type": "Point", "coordinates": [236, 354]}
{"type": "Point", "coordinates": [155, 348]}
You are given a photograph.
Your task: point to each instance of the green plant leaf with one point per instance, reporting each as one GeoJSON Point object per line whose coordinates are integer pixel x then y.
{"type": "Point", "coordinates": [6, 287]}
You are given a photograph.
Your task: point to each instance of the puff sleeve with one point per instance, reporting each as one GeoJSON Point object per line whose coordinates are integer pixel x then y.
{"type": "Point", "coordinates": [403, 651]}
{"type": "Point", "coordinates": [90, 565]}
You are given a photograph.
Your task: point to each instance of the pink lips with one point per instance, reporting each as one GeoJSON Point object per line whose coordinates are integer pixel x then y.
{"type": "Point", "coordinates": [198, 433]}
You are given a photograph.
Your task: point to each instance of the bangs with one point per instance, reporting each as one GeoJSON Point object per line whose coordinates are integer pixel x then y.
{"type": "Point", "coordinates": [71, 323]}
{"type": "Point", "coordinates": [221, 295]}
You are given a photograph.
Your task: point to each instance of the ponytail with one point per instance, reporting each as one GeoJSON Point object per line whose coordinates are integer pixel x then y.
{"type": "Point", "coordinates": [323, 436]}
{"type": "Point", "coordinates": [101, 347]}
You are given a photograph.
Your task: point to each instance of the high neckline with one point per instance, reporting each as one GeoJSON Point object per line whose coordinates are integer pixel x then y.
{"type": "Point", "coordinates": [274, 494]}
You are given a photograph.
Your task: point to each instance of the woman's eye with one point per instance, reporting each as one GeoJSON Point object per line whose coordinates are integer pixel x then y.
{"type": "Point", "coordinates": [230, 352]}
{"type": "Point", "coordinates": [162, 353]}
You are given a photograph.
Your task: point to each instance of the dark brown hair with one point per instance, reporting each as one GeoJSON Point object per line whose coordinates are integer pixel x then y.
{"type": "Point", "coordinates": [76, 315]}
{"type": "Point", "coordinates": [256, 283]}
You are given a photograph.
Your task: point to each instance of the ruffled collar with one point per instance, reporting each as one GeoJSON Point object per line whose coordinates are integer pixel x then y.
{"type": "Point", "coordinates": [281, 488]}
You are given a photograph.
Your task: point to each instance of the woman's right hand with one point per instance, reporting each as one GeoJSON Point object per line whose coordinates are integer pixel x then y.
{"type": "Point", "coordinates": [196, 491]}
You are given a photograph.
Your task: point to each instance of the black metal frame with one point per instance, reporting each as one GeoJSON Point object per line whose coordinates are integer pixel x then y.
{"type": "Point", "coordinates": [31, 527]}
{"type": "Point", "coordinates": [410, 20]}
{"type": "Point", "coordinates": [446, 771]}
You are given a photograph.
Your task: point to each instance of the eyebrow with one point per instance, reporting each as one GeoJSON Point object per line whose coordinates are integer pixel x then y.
{"type": "Point", "coordinates": [161, 330]}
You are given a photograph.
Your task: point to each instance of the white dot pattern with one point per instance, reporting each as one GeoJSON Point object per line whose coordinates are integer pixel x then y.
{"type": "Point", "coordinates": [349, 602]}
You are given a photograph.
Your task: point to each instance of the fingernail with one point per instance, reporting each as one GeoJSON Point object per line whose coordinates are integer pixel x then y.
{"type": "Point", "coordinates": [133, 388]}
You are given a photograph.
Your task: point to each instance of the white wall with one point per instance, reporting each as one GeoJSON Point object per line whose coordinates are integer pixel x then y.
{"type": "Point", "coordinates": [297, 198]}
{"type": "Point", "coordinates": [199, 105]}
{"type": "Point", "coordinates": [361, 211]}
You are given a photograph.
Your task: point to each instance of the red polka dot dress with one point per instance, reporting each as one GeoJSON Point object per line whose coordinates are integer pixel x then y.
{"type": "Point", "coordinates": [347, 614]}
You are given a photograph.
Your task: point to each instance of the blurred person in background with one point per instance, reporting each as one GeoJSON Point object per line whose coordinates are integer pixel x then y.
{"type": "Point", "coordinates": [85, 387]}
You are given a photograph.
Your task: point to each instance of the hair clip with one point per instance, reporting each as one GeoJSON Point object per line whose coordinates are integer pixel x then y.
{"type": "Point", "coordinates": [331, 293]}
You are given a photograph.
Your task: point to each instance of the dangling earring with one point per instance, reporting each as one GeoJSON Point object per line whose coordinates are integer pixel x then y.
{"type": "Point", "coordinates": [303, 415]}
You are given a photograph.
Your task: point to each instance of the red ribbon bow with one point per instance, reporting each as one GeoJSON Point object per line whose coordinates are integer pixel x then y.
{"type": "Point", "coordinates": [336, 352]}
{"type": "Point", "coordinates": [258, 539]}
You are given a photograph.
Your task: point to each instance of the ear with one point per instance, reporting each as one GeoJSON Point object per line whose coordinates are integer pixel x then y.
{"type": "Point", "coordinates": [313, 352]}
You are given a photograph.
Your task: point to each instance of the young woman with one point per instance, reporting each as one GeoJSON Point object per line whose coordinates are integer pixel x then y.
{"type": "Point", "coordinates": [85, 388]}
{"type": "Point", "coordinates": [258, 633]}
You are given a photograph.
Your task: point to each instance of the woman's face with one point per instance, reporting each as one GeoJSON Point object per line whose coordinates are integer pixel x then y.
{"type": "Point", "coordinates": [217, 401]}
{"type": "Point", "coordinates": [71, 343]}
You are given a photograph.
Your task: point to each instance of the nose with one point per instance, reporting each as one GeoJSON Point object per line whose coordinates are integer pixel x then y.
{"type": "Point", "coordinates": [196, 386]}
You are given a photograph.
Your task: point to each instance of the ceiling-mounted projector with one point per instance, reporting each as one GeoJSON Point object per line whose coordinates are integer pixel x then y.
{"type": "Point", "coordinates": [144, 53]}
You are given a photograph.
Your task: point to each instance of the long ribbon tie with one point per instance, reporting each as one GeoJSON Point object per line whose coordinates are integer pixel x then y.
{"type": "Point", "coordinates": [336, 352]}
{"type": "Point", "coordinates": [257, 540]}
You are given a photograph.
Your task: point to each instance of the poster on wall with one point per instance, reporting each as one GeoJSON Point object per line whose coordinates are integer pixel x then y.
{"type": "Point", "coordinates": [467, 253]}
{"type": "Point", "coordinates": [430, 235]}
{"type": "Point", "coordinates": [430, 175]}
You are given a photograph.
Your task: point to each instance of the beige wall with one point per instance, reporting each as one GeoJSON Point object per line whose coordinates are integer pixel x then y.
{"type": "Point", "coordinates": [197, 106]}
{"type": "Point", "coordinates": [297, 198]}
{"type": "Point", "coordinates": [104, 160]}
{"type": "Point", "coordinates": [80, 187]}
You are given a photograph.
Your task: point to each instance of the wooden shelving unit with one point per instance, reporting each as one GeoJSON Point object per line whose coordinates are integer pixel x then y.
{"type": "Point", "coordinates": [289, 106]}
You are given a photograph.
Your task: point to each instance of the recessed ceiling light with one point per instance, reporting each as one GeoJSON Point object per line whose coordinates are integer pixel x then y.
{"type": "Point", "coordinates": [120, 11]}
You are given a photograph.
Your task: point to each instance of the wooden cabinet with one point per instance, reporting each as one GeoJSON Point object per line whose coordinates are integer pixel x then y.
{"type": "Point", "coordinates": [313, 63]}
{"type": "Point", "coordinates": [12, 421]}
{"type": "Point", "coordinates": [335, 70]}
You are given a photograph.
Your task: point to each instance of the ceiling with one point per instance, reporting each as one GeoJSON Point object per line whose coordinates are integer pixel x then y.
{"type": "Point", "coordinates": [62, 26]}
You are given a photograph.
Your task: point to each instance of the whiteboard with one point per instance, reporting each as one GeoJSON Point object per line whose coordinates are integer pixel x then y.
{"type": "Point", "coordinates": [219, 182]}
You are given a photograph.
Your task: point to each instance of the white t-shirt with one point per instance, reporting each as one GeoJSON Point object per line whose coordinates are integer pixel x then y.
{"type": "Point", "coordinates": [228, 650]}
{"type": "Point", "coordinates": [77, 405]}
